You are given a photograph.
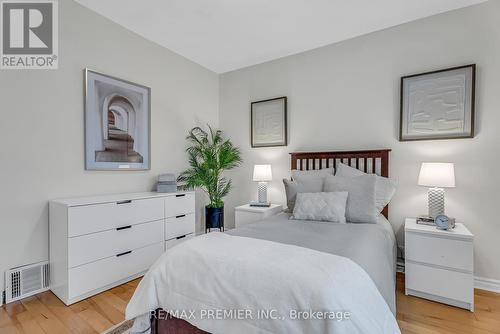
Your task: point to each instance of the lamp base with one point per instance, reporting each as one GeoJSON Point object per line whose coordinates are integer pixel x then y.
{"type": "Point", "coordinates": [262, 192]}
{"type": "Point", "coordinates": [436, 202]}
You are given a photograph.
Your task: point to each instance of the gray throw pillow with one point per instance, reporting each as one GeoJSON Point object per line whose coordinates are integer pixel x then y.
{"type": "Point", "coordinates": [361, 199]}
{"type": "Point", "coordinates": [302, 174]}
{"type": "Point", "coordinates": [312, 185]}
{"type": "Point", "coordinates": [385, 188]}
{"type": "Point", "coordinates": [321, 206]}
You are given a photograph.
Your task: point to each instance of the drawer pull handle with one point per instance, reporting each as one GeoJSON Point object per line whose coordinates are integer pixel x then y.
{"type": "Point", "coordinates": [123, 227]}
{"type": "Point", "coordinates": [182, 236]}
{"type": "Point", "coordinates": [180, 216]}
{"type": "Point", "coordinates": [124, 202]}
{"type": "Point", "coordinates": [180, 195]}
{"type": "Point", "coordinates": [124, 253]}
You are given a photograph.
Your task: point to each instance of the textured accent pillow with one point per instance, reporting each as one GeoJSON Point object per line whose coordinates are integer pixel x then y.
{"type": "Point", "coordinates": [361, 199]}
{"type": "Point", "coordinates": [385, 188]}
{"type": "Point", "coordinates": [321, 173]}
{"type": "Point", "coordinates": [292, 188]}
{"type": "Point", "coordinates": [321, 206]}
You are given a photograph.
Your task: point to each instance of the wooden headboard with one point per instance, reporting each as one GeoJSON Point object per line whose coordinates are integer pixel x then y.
{"type": "Point", "coordinates": [370, 161]}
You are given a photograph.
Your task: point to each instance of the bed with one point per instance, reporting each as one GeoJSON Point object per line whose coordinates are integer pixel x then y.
{"type": "Point", "coordinates": [276, 248]}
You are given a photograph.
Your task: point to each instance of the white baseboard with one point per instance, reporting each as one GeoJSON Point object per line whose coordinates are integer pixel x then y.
{"type": "Point", "coordinates": [488, 284]}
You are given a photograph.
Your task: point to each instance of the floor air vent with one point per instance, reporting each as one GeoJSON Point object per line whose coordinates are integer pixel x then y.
{"type": "Point", "coordinates": [25, 281]}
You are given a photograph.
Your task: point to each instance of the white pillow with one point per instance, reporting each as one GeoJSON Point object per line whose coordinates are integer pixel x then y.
{"type": "Point", "coordinates": [308, 185]}
{"type": "Point", "coordinates": [361, 199]}
{"type": "Point", "coordinates": [385, 188]}
{"type": "Point", "coordinates": [321, 173]}
{"type": "Point", "coordinates": [321, 206]}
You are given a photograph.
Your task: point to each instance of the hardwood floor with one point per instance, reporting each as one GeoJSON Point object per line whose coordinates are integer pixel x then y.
{"type": "Point", "coordinates": [416, 315]}
{"type": "Point", "coordinates": [45, 314]}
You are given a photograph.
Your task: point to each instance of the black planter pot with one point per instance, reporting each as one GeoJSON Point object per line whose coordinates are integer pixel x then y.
{"type": "Point", "coordinates": [214, 218]}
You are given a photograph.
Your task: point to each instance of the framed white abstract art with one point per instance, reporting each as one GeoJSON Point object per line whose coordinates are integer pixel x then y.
{"type": "Point", "coordinates": [269, 122]}
{"type": "Point", "coordinates": [438, 105]}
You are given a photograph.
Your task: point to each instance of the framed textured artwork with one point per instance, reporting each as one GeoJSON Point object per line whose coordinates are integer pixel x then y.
{"type": "Point", "coordinates": [438, 105]}
{"type": "Point", "coordinates": [268, 122]}
{"type": "Point", "coordinates": [117, 123]}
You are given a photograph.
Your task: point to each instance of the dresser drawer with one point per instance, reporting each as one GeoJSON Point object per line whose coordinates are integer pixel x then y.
{"type": "Point", "coordinates": [174, 242]}
{"type": "Point", "coordinates": [92, 247]}
{"type": "Point", "coordinates": [451, 253]}
{"type": "Point", "coordinates": [95, 275]}
{"type": "Point", "coordinates": [179, 226]}
{"type": "Point", "coordinates": [100, 217]}
{"type": "Point", "coordinates": [180, 204]}
{"type": "Point", "coordinates": [439, 282]}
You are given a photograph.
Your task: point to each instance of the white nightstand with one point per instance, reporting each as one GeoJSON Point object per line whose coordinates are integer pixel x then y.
{"type": "Point", "coordinates": [245, 214]}
{"type": "Point", "coordinates": [439, 265]}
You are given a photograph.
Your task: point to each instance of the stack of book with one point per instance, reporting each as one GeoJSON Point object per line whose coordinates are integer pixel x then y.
{"type": "Point", "coordinates": [167, 183]}
{"type": "Point", "coordinates": [423, 220]}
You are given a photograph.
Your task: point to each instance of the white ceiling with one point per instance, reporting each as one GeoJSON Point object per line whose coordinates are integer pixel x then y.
{"type": "Point", "coordinates": [225, 35]}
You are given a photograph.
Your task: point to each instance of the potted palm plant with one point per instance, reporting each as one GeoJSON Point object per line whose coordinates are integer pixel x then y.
{"type": "Point", "coordinates": [209, 155]}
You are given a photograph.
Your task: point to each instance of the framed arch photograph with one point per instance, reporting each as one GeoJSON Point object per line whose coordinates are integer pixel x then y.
{"type": "Point", "coordinates": [117, 123]}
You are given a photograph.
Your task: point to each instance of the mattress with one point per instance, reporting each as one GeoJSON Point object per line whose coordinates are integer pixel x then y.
{"type": "Point", "coordinates": [371, 246]}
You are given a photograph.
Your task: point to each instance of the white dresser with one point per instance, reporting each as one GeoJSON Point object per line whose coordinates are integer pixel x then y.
{"type": "Point", "coordinates": [99, 242]}
{"type": "Point", "coordinates": [439, 264]}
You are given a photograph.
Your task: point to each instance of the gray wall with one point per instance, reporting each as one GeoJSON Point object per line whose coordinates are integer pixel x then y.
{"type": "Point", "coordinates": [346, 96]}
{"type": "Point", "coordinates": [41, 127]}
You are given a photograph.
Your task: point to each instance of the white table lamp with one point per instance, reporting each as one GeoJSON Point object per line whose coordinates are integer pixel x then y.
{"type": "Point", "coordinates": [262, 174]}
{"type": "Point", "coordinates": [436, 176]}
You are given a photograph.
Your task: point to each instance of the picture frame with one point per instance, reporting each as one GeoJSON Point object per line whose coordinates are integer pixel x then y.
{"type": "Point", "coordinates": [268, 122]}
{"type": "Point", "coordinates": [438, 104]}
{"type": "Point", "coordinates": [117, 123]}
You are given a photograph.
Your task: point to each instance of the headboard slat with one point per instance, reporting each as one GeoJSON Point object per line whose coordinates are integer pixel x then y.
{"type": "Point", "coordinates": [345, 157]}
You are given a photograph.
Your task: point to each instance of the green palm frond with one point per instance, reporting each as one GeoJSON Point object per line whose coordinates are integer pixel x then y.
{"type": "Point", "coordinates": [209, 155]}
{"type": "Point", "coordinates": [229, 156]}
{"type": "Point", "coordinates": [224, 186]}
{"type": "Point", "coordinates": [216, 136]}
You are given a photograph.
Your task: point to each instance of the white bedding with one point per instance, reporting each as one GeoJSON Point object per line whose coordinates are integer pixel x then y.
{"type": "Point", "coordinates": [217, 271]}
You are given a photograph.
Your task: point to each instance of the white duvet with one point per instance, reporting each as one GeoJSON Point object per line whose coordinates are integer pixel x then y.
{"type": "Point", "coordinates": [228, 284]}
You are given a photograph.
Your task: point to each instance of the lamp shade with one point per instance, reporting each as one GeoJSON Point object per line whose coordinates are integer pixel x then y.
{"type": "Point", "coordinates": [437, 174]}
{"type": "Point", "coordinates": [262, 173]}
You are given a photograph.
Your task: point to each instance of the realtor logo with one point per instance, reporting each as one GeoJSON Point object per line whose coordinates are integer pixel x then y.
{"type": "Point", "coordinates": [29, 34]}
